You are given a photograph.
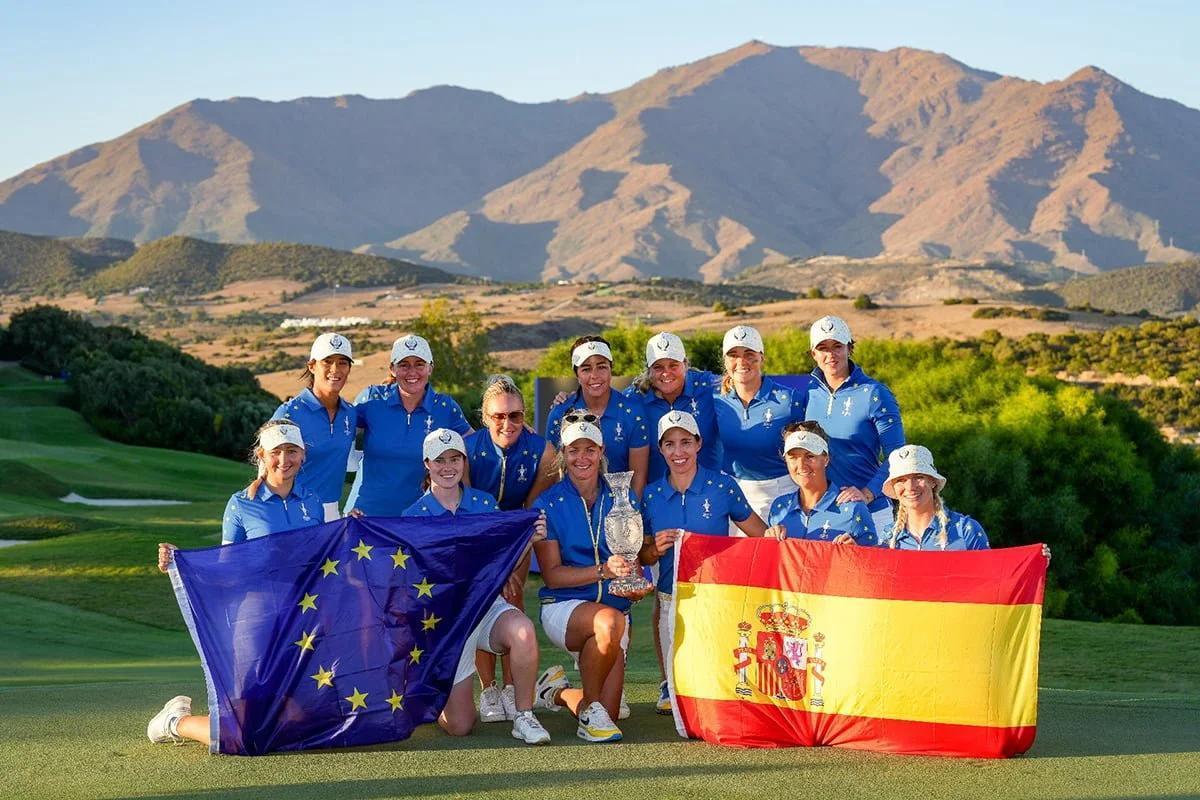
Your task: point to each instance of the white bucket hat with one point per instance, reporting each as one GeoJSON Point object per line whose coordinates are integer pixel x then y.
{"type": "Point", "coordinates": [677, 419]}
{"type": "Point", "coordinates": [805, 440]}
{"type": "Point", "coordinates": [664, 345]}
{"type": "Point", "coordinates": [439, 441]}
{"type": "Point", "coordinates": [330, 344]}
{"type": "Point", "coordinates": [574, 431]}
{"type": "Point", "coordinates": [742, 336]}
{"type": "Point", "coordinates": [834, 328]}
{"type": "Point", "coordinates": [588, 349]}
{"type": "Point", "coordinates": [411, 345]}
{"type": "Point", "coordinates": [911, 459]}
{"type": "Point", "coordinates": [279, 435]}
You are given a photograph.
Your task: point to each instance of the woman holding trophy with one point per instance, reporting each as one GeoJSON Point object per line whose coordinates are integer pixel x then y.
{"type": "Point", "coordinates": [588, 588]}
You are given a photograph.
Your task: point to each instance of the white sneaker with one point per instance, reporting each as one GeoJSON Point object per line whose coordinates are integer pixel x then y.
{"type": "Point", "coordinates": [623, 709]}
{"type": "Point", "coordinates": [595, 725]}
{"type": "Point", "coordinates": [508, 699]}
{"type": "Point", "coordinates": [491, 709]}
{"type": "Point", "coordinates": [549, 683]}
{"type": "Point", "coordinates": [527, 728]}
{"type": "Point", "coordinates": [159, 729]}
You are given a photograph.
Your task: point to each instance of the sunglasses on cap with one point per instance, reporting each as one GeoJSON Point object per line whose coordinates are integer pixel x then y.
{"type": "Point", "coordinates": [579, 416]}
{"type": "Point", "coordinates": [511, 416]}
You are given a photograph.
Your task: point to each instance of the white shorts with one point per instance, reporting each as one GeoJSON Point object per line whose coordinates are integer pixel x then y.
{"type": "Point", "coordinates": [666, 634]}
{"type": "Point", "coordinates": [555, 617]}
{"type": "Point", "coordinates": [760, 495]}
{"type": "Point", "coordinates": [481, 638]}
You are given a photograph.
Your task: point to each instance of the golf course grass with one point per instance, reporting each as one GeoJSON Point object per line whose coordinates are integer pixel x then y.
{"type": "Point", "coordinates": [92, 644]}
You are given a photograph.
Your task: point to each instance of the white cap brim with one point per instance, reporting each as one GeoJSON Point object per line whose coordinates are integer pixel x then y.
{"type": "Point", "coordinates": [279, 435]}
{"type": "Point", "coordinates": [574, 431]}
{"type": "Point", "coordinates": [439, 441]}
{"type": "Point", "coordinates": [805, 440]}
{"type": "Point", "coordinates": [677, 419]}
{"type": "Point", "coordinates": [588, 349]}
{"type": "Point", "coordinates": [411, 345]}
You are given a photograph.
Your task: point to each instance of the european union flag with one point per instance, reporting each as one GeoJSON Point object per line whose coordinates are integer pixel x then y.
{"type": "Point", "coordinates": [342, 635]}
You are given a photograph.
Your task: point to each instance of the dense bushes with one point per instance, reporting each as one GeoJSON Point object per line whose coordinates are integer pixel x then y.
{"type": "Point", "coordinates": [1034, 460]}
{"type": "Point", "coordinates": [137, 390]}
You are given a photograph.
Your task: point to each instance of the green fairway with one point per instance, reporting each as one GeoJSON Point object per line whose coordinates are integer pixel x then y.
{"type": "Point", "coordinates": [91, 645]}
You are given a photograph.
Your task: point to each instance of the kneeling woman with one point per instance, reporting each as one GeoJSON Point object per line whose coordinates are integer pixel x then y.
{"type": "Point", "coordinates": [922, 521]}
{"type": "Point", "coordinates": [579, 611]}
{"type": "Point", "coordinates": [504, 629]}
{"type": "Point", "coordinates": [275, 502]}
{"type": "Point", "coordinates": [689, 498]}
{"type": "Point", "coordinates": [813, 510]}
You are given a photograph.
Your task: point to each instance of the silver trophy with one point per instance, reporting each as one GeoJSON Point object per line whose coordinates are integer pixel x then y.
{"type": "Point", "coordinates": [623, 533]}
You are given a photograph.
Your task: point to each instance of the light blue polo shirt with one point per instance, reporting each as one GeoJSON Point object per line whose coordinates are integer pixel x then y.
{"type": "Point", "coordinates": [753, 435]}
{"type": "Point", "coordinates": [697, 400]}
{"type": "Point", "coordinates": [826, 522]}
{"type": "Point", "coordinates": [473, 502]}
{"type": "Point", "coordinates": [518, 464]}
{"type": "Point", "coordinates": [389, 478]}
{"type": "Point", "coordinates": [962, 533]}
{"type": "Point", "coordinates": [623, 425]}
{"type": "Point", "coordinates": [567, 524]}
{"type": "Point", "coordinates": [327, 444]}
{"type": "Point", "coordinates": [862, 419]}
{"type": "Point", "coordinates": [707, 506]}
{"type": "Point", "coordinates": [265, 513]}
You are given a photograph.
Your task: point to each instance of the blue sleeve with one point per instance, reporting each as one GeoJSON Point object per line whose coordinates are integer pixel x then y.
{"type": "Point", "coordinates": [232, 529]}
{"type": "Point", "coordinates": [360, 408]}
{"type": "Point", "coordinates": [739, 507]}
{"type": "Point", "coordinates": [458, 421]}
{"type": "Point", "coordinates": [973, 535]}
{"type": "Point", "coordinates": [641, 434]}
{"type": "Point", "coordinates": [863, 528]}
{"type": "Point", "coordinates": [886, 416]}
{"type": "Point", "coordinates": [776, 515]}
{"type": "Point", "coordinates": [553, 423]}
{"type": "Point", "coordinates": [542, 503]}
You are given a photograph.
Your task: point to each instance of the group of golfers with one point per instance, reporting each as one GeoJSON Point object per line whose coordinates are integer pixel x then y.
{"type": "Point", "coordinates": [823, 457]}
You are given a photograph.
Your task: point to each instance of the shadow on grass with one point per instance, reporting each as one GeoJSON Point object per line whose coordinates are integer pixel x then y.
{"type": "Point", "coordinates": [1068, 729]}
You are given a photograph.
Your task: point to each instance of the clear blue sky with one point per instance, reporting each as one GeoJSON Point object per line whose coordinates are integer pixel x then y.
{"type": "Point", "coordinates": [73, 73]}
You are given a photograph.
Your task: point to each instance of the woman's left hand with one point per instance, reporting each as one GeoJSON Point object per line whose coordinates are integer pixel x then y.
{"type": "Point", "coordinates": [852, 494]}
{"type": "Point", "coordinates": [775, 532]}
{"type": "Point", "coordinates": [844, 538]}
{"type": "Point", "coordinates": [514, 587]}
{"type": "Point", "coordinates": [356, 513]}
{"type": "Point", "coordinates": [618, 567]}
{"type": "Point", "coordinates": [539, 528]}
{"type": "Point", "coordinates": [1046, 551]}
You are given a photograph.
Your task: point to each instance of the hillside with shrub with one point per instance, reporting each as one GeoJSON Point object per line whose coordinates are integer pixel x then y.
{"type": "Point", "coordinates": [1161, 289]}
{"type": "Point", "coordinates": [43, 264]}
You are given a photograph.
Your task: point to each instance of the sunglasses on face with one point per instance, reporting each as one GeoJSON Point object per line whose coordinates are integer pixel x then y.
{"type": "Point", "coordinates": [512, 416]}
{"type": "Point", "coordinates": [578, 416]}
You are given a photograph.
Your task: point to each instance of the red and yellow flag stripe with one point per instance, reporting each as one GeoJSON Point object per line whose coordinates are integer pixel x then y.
{"type": "Point", "coordinates": [805, 643]}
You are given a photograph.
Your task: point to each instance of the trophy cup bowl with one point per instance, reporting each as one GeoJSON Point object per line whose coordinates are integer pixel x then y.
{"type": "Point", "coordinates": [623, 534]}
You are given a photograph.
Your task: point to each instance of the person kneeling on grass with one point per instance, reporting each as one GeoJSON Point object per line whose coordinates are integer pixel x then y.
{"type": "Point", "coordinates": [504, 629]}
{"type": "Point", "coordinates": [273, 503]}
{"type": "Point", "coordinates": [579, 611]}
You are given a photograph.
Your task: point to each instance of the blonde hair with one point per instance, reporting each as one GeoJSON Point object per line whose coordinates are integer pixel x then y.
{"type": "Point", "coordinates": [901, 523]}
{"type": "Point", "coordinates": [256, 459]}
{"type": "Point", "coordinates": [496, 386]}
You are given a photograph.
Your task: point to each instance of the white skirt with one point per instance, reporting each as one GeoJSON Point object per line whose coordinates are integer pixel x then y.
{"type": "Point", "coordinates": [760, 495]}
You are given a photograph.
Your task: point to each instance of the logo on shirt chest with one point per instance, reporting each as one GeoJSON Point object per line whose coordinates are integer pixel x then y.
{"type": "Point", "coordinates": [707, 506]}
{"type": "Point", "coordinates": [522, 474]}
{"type": "Point", "coordinates": [768, 418]}
{"type": "Point", "coordinates": [695, 407]}
{"type": "Point", "coordinates": [825, 530]}
{"type": "Point", "coordinates": [428, 424]}
{"type": "Point", "coordinates": [846, 406]}
{"type": "Point", "coordinates": [618, 433]}
{"type": "Point", "coordinates": [304, 512]}
{"type": "Point", "coordinates": [349, 430]}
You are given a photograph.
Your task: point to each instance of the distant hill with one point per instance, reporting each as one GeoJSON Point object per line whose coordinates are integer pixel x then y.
{"type": "Point", "coordinates": [40, 263]}
{"type": "Point", "coordinates": [182, 265]}
{"type": "Point", "coordinates": [1161, 289]}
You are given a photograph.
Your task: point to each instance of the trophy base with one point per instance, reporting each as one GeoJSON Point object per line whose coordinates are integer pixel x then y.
{"type": "Point", "coordinates": [631, 586]}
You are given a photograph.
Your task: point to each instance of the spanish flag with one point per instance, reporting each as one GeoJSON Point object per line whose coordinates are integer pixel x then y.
{"type": "Point", "coordinates": [802, 643]}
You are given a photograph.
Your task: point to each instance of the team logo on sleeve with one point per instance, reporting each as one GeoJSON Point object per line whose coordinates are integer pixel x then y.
{"type": "Point", "coordinates": [787, 658]}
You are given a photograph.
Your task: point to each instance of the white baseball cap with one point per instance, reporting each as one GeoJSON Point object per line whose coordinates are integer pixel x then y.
{"type": "Point", "coordinates": [411, 345]}
{"type": "Point", "coordinates": [574, 431]}
{"type": "Point", "coordinates": [439, 441]}
{"type": "Point", "coordinates": [806, 440]}
{"type": "Point", "coordinates": [279, 435]}
{"type": "Point", "coordinates": [330, 344]}
{"type": "Point", "coordinates": [742, 336]}
{"type": "Point", "coordinates": [664, 345]}
{"type": "Point", "coordinates": [677, 419]}
{"type": "Point", "coordinates": [834, 328]}
{"type": "Point", "coordinates": [588, 349]}
{"type": "Point", "coordinates": [911, 459]}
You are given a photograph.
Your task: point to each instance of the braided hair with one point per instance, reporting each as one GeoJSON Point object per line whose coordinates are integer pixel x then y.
{"type": "Point", "coordinates": [901, 523]}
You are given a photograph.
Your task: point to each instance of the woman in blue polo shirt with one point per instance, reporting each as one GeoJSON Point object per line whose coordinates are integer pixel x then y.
{"type": "Point", "coordinates": [275, 502]}
{"type": "Point", "coordinates": [504, 628]}
{"type": "Point", "coordinates": [922, 520]}
{"type": "Point", "coordinates": [327, 421]}
{"type": "Point", "coordinates": [395, 420]}
{"type": "Point", "coordinates": [620, 418]}
{"type": "Point", "coordinates": [859, 414]}
{"type": "Point", "coordinates": [514, 465]}
{"type": "Point", "coordinates": [813, 510]}
{"type": "Point", "coordinates": [751, 411]}
{"type": "Point", "coordinates": [670, 384]}
{"type": "Point", "coordinates": [689, 498]}
{"type": "Point", "coordinates": [579, 612]}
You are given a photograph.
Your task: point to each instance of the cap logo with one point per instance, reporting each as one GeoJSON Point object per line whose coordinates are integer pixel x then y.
{"type": "Point", "coordinates": [662, 344]}
{"type": "Point", "coordinates": [445, 437]}
{"type": "Point", "coordinates": [740, 333]}
{"type": "Point", "coordinates": [675, 416]}
{"type": "Point", "coordinates": [906, 452]}
{"type": "Point", "coordinates": [335, 342]}
{"type": "Point", "coordinates": [591, 346]}
{"type": "Point", "coordinates": [410, 343]}
{"type": "Point", "coordinates": [827, 325]}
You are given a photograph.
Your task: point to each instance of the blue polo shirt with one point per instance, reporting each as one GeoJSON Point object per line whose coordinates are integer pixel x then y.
{"type": "Point", "coordinates": [518, 464]}
{"type": "Point", "coordinates": [392, 467]}
{"type": "Point", "coordinates": [567, 524]}
{"type": "Point", "coordinates": [696, 399]}
{"type": "Point", "coordinates": [753, 435]}
{"type": "Point", "coordinates": [707, 506]}
{"type": "Point", "coordinates": [473, 502]}
{"type": "Point", "coordinates": [623, 424]}
{"type": "Point", "coordinates": [265, 513]}
{"type": "Point", "coordinates": [862, 419]}
{"type": "Point", "coordinates": [826, 522]}
{"type": "Point", "coordinates": [962, 533]}
{"type": "Point", "coordinates": [327, 444]}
